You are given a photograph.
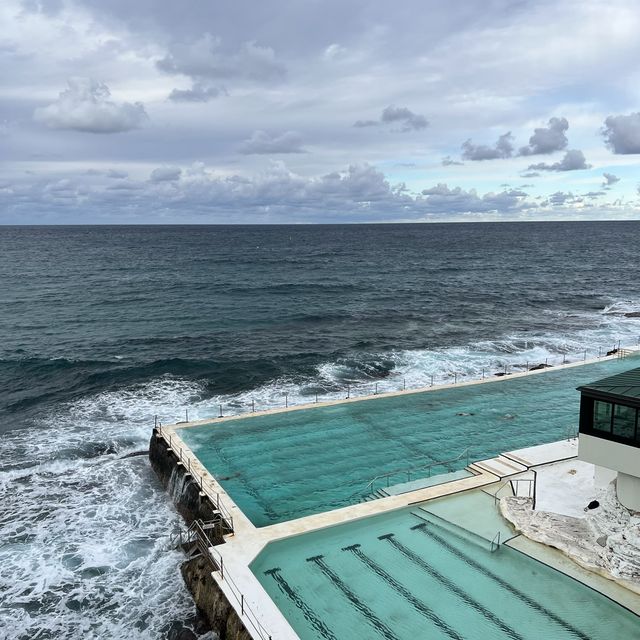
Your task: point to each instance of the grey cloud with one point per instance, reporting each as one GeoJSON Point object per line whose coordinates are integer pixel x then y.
{"type": "Point", "coordinates": [457, 200]}
{"type": "Point", "coordinates": [262, 142]}
{"type": "Point", "coordinates": [366, 123]}
{"type": "Point", "coordinates": [206, 58]}
{"type": "Point", "coordinates": [573, 160]}
{"type": "Point", "coordinates": [530, 174]}
{"type": "Point", "coordinates": [410, 121]}
{"type": "Point", "coordinates": [609, 179]}
{"type": "Point", "coordinates": [197, 93]}
{"type": "Point", "coordinates": [547, 139]}
{"type": "Point", "coordinates": [359, 193]}
{"type": "Point", "coordinates": [85, 106]}
{"type": "Point", "coordinates": [622, 133]}
{"type": "Point", "coordinates": [560, 198]}
{"type": "Point", "coordinates": [594, 194]}
{"type": "Point", "coordinates": [503, 148]}
{"type": "Point", "coordinates": [114, 173]}
{"type": "Point", "coordinates": [165, 174]}
{"type": "Point", "coordinates": [448, 161]}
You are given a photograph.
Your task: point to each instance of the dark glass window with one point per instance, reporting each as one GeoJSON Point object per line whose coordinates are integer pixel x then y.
{"type": "Point", "coordinates": [602, 416]}
{"type": "Point", "coordinates": [624, 421]}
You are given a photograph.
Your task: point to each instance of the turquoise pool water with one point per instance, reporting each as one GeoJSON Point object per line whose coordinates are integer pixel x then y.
{"type": "Point", "coordinates": [283, 466]}
{"type": "Point", "coordinates": [409, 575]}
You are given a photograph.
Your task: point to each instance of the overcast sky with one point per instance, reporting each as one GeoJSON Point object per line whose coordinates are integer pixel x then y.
{"type": "Point", "coordinates": [205, 111]}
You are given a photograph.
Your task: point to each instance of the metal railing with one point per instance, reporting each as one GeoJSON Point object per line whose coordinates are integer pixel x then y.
{"type": "Point", "coordinates": [516, 492]}
{"type": "Point", "coordinates": [454, 377]}
{"type": "Point", "coordinates": [246, 613]}
{"type": "Point", "coordinates": [495, 543]}
{"type": "Point", "coordinates": [214, 496]}
{"type": "Point", "coordinates": [370, 487]}
{"type": "Point", "coordinates": [197, 533]}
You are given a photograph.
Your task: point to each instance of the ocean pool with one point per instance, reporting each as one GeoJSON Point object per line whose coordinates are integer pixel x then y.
{"type": "Point", "coordinates": [282, 466]}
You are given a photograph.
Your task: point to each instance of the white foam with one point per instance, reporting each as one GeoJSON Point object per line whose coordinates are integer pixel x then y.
{"type": "Point", "coordinates": [84, 538]}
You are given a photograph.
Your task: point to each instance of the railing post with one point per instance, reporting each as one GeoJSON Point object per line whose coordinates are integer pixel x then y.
{"type": "Point", "coordinates": [432, 380]}
{"type": "Point", "coordinates": [241, 604]}
{"type": "Point", "coordinates": [535, 488]}
{"type": "Point", "coordinates": [286, 399]}
{"type": "Point", "coordinates": [375, 393]}
{"type": "Point", "coordinates": [483, 373]}
{"type": "Point", "coordinates": [220, 415]}
{"type": "Point", "coordinates": [253, 406]}
{"type": "Point", "coordinates": [316, 397]}
{"type": "Point", "coordinates": [348, 392]}
{"type": "Point", "coordinates": [585, 355]}
{"type": "Point", "coordinates": [186, 415]}
{"type": "Point", "coordinates": [404, 382]}
{"type": "Point", "coordinates": [155, 421]}
{"type": "Point", "coordinates": [455, 378]}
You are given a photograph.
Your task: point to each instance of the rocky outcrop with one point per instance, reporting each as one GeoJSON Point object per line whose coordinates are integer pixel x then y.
{"type": "Point", "coordinates": [606, 540]}
{"type": "Point", "coordinates": [211, 601]}
{"type": "Point", "coordinates": [190, 502]}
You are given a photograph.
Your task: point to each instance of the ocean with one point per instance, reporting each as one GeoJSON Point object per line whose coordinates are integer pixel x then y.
{"type": "Point", "coordinates": [105, 327]}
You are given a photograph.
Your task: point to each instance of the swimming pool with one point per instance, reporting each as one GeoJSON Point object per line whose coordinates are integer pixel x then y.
{"type": "Point", "coordinates": [287, 465]}
{"type": "Point", "coordinates": [410, 574]}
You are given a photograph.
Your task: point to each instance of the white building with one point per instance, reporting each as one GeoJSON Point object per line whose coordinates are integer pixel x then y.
{"type": "Point", "coordinates": [610, 434]}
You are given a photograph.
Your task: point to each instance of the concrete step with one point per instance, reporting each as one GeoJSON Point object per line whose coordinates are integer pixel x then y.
{"type": "Point", "coordinates": [499, 466]}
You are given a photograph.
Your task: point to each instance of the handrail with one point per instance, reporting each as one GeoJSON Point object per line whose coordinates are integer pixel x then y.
{"type": "Point", "coordinates": [411, 470]}
{"type": "Point", "coordinates": [205, 546]}
{"type": "Point", "coordinates": [493, 542]}
{"type": "Point", "coordinates": [521, 367]}
{"type": "Point", "coordinates": [225, 515]}
{"type": "Point", "coordinates": [245, 609]}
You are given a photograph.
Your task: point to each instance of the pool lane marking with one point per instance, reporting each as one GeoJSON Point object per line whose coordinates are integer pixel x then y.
{"type": "Point", "coordinates": [534, 604]}
{"type": "Point", "coordinates": [369, 615]}
{"type": "Point", "coordinates": [463, 595]}
{"type": "Point", "coordinates": [418, 605]}
{"type": "Point", "coordinates": [306, 610]}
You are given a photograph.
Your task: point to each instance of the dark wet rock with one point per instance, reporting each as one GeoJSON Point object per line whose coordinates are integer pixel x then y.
{"type": "Point", "coordinates": [538, 367]}
{"type": "Point", "coordinates": [135, 454]}
{"type": "Point", "coordinates": [190, 502]}
{"type": "Point", "coordinates": [211, 601]}
{"type": "Point", "coordinates": [464, 413]}
{"type": "Point", "coordinates": [632, 314]}
{"type": "Point", "coordinates": [594, 504]}
{"type": "Point", "coordinates": [602, 541]}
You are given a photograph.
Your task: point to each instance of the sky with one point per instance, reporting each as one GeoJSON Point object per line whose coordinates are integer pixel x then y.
{"type": "Point", "coordinates": [290, 111]}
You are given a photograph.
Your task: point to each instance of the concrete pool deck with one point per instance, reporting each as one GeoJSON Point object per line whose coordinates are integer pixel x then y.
{"type": "Point", "coordinates": [247, 540]}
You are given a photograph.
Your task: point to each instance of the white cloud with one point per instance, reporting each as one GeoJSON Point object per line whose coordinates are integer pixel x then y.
{"type": "Point", "coordinates": [85, 106]}
{"type": "Point", "coordinates": [262, 142]}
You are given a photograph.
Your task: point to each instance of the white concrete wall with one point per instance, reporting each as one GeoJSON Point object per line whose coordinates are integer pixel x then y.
{"type": "Point", "coordinates": [603, 477]}
{"type": "Point", "coordinates": [629, 491]}
{"type": "Point", "coordinates": [612, 455]}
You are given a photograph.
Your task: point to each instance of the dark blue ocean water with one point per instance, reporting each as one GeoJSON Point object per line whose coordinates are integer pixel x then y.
{"type": "Point", "coordinates": [103, 327]}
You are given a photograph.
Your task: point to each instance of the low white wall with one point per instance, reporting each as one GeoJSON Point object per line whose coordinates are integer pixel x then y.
{"type": "Point", "coordinates": [629, 491]}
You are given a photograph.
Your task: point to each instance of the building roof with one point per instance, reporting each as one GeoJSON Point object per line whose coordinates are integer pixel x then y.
{"type": "Point", "coordinates": [622, 385]}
